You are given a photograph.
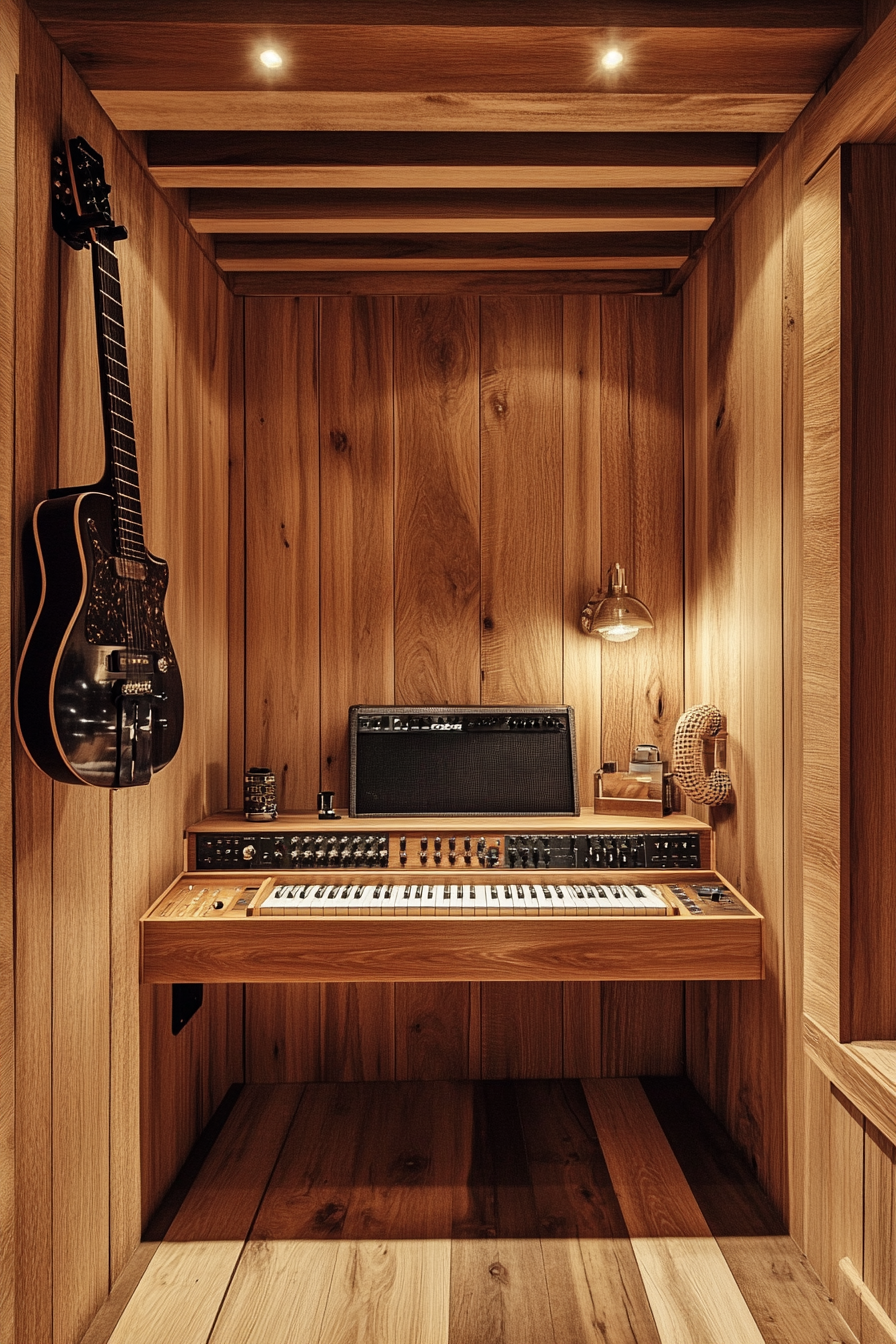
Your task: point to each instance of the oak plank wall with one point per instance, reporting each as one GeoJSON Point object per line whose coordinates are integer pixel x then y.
{"type": "Point", "coordinates": [88, 862]}
{"type": "Point", "coordinates": [479, 464]}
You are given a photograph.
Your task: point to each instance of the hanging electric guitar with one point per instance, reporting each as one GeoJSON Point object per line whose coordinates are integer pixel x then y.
{"type": "Point", "coordinates": [98, 697]}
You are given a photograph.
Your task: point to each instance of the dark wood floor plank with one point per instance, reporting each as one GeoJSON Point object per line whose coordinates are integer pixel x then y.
{"type": "Point", "coordinates": [783, 1293]}
{"type": "Point", "coordinates": [408, 1160]}
{"type": "Point", "coordinates": [311, 1186]}
{"type": "Point", "coordinates": [571, 1185]}
{"type": "Point", "coordinates": [495, 1198]}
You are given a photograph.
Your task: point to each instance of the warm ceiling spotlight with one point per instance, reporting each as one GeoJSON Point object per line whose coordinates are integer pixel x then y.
{"type": "Point", "coordinates": [612, 59]}
{"type": "Point", "coordinates": [272, 59]}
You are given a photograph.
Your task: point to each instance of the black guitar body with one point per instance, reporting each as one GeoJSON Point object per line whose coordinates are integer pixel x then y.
{"type": "Point", "coordinates": [99, 698]}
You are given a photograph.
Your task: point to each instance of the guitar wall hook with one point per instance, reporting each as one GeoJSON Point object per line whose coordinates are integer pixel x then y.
{"type": "Point", "coordinates": [698, 726]}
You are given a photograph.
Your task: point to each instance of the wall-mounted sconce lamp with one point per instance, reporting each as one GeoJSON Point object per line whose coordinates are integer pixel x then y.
{"type": "Point", "coordinates": [614, 615]}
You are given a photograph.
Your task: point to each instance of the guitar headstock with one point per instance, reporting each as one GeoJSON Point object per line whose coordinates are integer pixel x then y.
{"type": "Point", "coordinates": [81, 213]}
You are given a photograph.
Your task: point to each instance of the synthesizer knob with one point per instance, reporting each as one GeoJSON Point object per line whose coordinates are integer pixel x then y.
{"type": "Point", "coordinates": [320, 855]}
{"type": "Point", "coordinates": [452, 857]}
{"type": "Point", "coordinates": [423, 856]}
{"type": "Point", "coordinates": [452, 842]}
{"type": "Point", "coordinates": [345, 857]}
{"type": "Point", "coordinates": [437, 857]}
{"type": "Point", "coordinates": [424, 842]}
{"type": "Point", "coordinates": [384, 856]}
{"type": "Point", "coordinates": [248, 852]}
{"type": "Point", "coordinates": [332, 855]}
{"type": "Point", "coordinates": [403, 842]}
{"type": "Point", "coordinates": [512, 855]}
{"type": "Point", "coordinates": [468, 857]}
{"type": "Point", "coordinates": [307, 855]}
{"type": "Point", "coordinates": [402, 856]}
{"type": "Point", "coordinates": [294, 855]}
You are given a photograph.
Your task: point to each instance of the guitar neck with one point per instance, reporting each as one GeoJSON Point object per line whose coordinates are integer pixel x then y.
{"type": "Point", "coordinates": [118, 419]}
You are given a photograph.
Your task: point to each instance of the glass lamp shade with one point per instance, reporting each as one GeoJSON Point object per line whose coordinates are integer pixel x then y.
{"type": "Point", "coordinates": [615, 615]}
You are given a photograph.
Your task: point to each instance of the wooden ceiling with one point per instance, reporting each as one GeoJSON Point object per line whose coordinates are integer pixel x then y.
{"type": "Point", "coordinates": [465, 144]}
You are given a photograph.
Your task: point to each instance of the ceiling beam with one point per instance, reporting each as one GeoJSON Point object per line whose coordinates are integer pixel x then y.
{"type": "Point", "coordinates": [257, 283]}
{"type": "Point", "coordinates": [445, 160]}
{"type": "Point", "coordinates": [65, 14]}
{"type": "Point", "coordinates": [450, 211]}
{"type": "Point", "coordinates": [460, 252]}
{"type": "Point", "coordinates": [273, 110]}
{"type": "Point", "coordinates": [391, 58]}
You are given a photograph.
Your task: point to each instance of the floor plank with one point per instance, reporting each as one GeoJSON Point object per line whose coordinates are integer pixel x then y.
{"type": "Point", "coordinates": [310, 1189]}
{"type": "Point", "coordinates": [499, 1293]}
{"type": "Point", "coordinates": [395, 1291]}
{"type": "Point", "coordinates": [279, 1294]}
{"type": "Point", "coordinates": [408, 1161]}
{"type": "Point", "coordinates": [180, 1293]}
{"type": "Point", "coordinates": [495, 1197]}
{"type": "Point", "coordinates": [779, 1286]}
{"type": "Point", "coordinates": [691, 1290]}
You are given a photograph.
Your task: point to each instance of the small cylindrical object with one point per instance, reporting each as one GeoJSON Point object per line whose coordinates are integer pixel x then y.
{"type": "Point", "coordinates": [260, 794]}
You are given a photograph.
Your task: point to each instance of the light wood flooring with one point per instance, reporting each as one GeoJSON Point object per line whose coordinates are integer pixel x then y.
{"type": "Point", "coordinates": [554, 1212]}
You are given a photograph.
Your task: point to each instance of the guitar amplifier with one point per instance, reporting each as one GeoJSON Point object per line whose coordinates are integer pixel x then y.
{"type": "Point", "coordinates": [458, 760]}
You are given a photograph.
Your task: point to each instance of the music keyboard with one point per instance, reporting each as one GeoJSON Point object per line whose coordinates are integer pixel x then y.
{"type": "Point", "coordinates": [463, 899]}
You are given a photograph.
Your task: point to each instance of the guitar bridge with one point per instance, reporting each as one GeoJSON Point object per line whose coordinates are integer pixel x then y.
{"type": "Point", "coordinates": [137, 688]}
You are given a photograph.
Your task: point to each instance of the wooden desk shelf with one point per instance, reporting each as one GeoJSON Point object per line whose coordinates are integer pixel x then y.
{"type": "Point", "coordinates": [183, 939]}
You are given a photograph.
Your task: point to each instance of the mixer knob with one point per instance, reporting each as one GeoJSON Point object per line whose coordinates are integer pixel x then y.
{"type": "Point", "coordinates": [248, 852]}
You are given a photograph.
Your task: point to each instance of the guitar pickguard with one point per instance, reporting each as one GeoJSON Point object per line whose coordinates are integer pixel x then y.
{"type": "Point", "coordinates": [126, 611]}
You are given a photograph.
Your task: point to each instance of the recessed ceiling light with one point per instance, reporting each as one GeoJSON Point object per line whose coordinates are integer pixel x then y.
{"type": "Point", "coordinates": [611, 59]}
{"type": "Point", "coordinates": [273, 60]}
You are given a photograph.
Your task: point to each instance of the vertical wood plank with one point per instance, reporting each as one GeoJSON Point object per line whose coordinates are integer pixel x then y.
{"type": "Point", "coordinates": [522, 477]}
{"type": "Point", "coordinates": [879, 1272]}
{"type": "Point", "coordinates": [9, 62]}
{"type": "Point", "coordinates": [282, 1033]}
{"type": "Point", "coordinates": [357, 1032]}
{"type": "Point", "coordinates": [641, 529]}
{"type": "Point", "coordinates": [436, 500]}
{"type": "Point", "coordinates": [522, 591]}
{"type": "Point", "coordinates": [792, 498]}
{"type": "Point", "coordinates": [282, 675]}
{"type": "Point", "coordinates": [437, 565]}
{"type": "Point", "coordinates": [236, 552]}
{"type": "Point", "coordinates": [737, 1057]}
{"type": "Point", "coordinates": [356, 467]}
{"type": "Point", "coordinates": [826, 544]}
{"type": "Point", "coordinates": [582, 562]}
{"type": "Point", "coordinates": [356, 597]}
{"type": "Point", "coordinates": [582, 1052]}
{"type": "Point", "coordinates": [36, 404]}
{"type": "Point", "coordinates": [872, 329]}
{"type": "Point", "coordinates": [522, 1030]}
{"type": "Point", "coordinates": [433, 1027]}
{"type": "Point", "coordinates": [81, 881]}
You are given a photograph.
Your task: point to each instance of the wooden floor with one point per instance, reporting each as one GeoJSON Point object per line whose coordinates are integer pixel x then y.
{"type": "Point", "coordinates": [509, 1212]}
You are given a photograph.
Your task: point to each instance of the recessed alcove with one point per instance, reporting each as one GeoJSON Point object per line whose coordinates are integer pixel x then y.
{"type": "Point", "coordinates": [405, 384]}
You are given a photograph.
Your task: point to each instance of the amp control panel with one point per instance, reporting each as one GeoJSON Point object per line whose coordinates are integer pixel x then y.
{"type": "Point", "coordinates": [216, 846]}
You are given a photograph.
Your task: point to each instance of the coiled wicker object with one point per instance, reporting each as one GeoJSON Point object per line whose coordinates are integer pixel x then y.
{"type": "Point", "coordinates": [696, 725]}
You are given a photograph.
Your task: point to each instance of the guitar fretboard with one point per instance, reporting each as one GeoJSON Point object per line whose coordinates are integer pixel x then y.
{"type": "Point", "coordinates": [117, 413]}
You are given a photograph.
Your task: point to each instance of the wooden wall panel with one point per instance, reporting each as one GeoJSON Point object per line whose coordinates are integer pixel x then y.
{"type": "Point", "coordinates": [9, 60]}
{"type": "Point", "coordinates": [522, 595]}
{"type": "Point", "coordinates": [642, 680]}
{"type": "Point", "coordinates": [511, 510]}
{"type": "Point", "coordinates": [437, 500]}
{"type": "Point", "coordinates": [734, 1032]}
{"type": "Point", "coordinates": [88, 862]}
{"type": "Point", "coordinates": [36, 355]}
{"type": "Point", "coordinates": [282, 729]}
{"type": "Point", "coordinates": [826, 544]}
{"type": "Point", "coordinates": [356, 570]}
{"type": "Point", "coordinates": [522, 479]}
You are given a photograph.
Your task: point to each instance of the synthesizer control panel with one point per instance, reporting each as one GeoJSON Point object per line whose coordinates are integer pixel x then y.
{"type": "Point", "coordinates": [229, 844]}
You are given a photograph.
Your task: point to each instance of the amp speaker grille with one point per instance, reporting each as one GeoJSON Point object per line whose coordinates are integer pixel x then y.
{"type": "Point", "coordinates": [454, 760]}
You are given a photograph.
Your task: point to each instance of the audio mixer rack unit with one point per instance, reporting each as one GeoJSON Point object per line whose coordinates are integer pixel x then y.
{"type": "Point", "coordinates": [450, 899]}
{"type": "Point", "coordinates": [227, 843]}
